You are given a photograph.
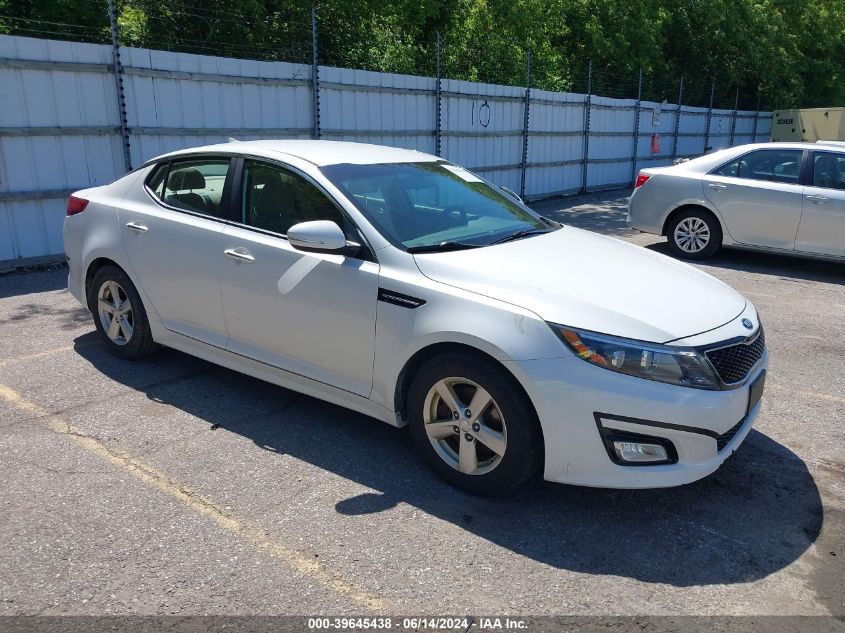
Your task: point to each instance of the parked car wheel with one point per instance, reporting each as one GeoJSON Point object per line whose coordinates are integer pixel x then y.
{"type": "Point", "coordinates": [694, 234]}
{"type": "Point", "coordinates": [474, 424]}
{"type": "Point", "coordinates": [119, 314]}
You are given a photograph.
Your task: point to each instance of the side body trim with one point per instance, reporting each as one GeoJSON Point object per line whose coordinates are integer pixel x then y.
{"type": "Point", "coordinates": [399, 299]}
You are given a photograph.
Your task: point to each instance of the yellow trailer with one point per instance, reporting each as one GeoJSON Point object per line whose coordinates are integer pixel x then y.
{"type": "Point", "coordinates": [809, 124]}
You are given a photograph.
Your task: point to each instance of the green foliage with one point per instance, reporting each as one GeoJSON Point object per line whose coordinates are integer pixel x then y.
{"type": "Point", "coordinates": [793, 50]}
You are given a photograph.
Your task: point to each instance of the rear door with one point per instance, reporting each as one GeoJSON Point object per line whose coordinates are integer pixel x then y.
{"type": "Point", "coordinates": [173, 236]}
{"type": "Point", "coordinates": [759, 196]}
{"type": "Point", "coordinates": [822, 229]}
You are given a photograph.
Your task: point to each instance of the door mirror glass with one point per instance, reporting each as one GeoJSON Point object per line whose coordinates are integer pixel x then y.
{"type": "Point", "coordinates": [317, 236]}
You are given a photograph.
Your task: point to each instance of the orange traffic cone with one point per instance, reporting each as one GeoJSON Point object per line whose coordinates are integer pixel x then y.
{"type": "Point", "coordinates": [655, 143]}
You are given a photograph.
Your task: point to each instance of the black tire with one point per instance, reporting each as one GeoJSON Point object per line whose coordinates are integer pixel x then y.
{"type": "Point", "coordinates": [524, 443]}
{"type": "Point", "coordinates": [140, 343]}
{"type": "Point", "coordinates": [713, 228]}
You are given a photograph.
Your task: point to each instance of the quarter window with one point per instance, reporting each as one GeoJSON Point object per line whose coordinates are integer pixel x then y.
{"type": "Point", "coordinates": [829, 170]}
{"type": "Point", "coordinates": [197, 185]}
{"type": "Point", "coordinates": [275, 199]}
{"type": "Point", "coordinates": [772, 165]}
{"type": "Point", "coordinates": [155, 182]}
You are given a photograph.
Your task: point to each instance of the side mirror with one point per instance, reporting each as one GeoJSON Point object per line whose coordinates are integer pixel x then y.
{"type": "Point", "coordinates": [512, 194]}
{"type": "Point", "coordinates": [318, 236]}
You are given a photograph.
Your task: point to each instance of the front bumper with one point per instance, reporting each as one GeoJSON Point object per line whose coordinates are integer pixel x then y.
{"type": "Point", "coordinates": [574, 400]}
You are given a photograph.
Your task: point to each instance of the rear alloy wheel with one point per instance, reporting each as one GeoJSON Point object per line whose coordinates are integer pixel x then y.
{"type": "Point", "coordinates": [694, 234]}
{"type": "Point", "coordinates": [115, 311]}
{"type": "Point", "coordinates": [474, 424]}
{"type": "Point", "coordinates": [119, 314]}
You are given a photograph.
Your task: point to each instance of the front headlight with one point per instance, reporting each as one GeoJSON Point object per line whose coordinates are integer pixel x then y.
{"type": "Point", "coordinates": [675, 365]}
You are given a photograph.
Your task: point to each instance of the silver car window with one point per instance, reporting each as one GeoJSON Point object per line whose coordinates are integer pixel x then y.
{"type": "Point", "coordinates": [829, 170]}
{"type": "Point", "coordinates": [783, 165]}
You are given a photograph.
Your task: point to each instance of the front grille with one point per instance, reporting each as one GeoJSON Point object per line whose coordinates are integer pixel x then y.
{"type": "Point", "coordinates": [733, 363]}
{"type": "Point", "coordinates": [723, 440]}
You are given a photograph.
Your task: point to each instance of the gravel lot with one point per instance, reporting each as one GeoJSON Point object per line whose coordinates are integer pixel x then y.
{"type": "Point", "coordinates": [172, 486]}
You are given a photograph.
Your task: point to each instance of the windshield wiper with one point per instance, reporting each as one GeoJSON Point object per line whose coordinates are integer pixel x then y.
{"type": "Point", "coordinates": [520, 234]}
{"type": "Point", "coordinates": [442, 247]}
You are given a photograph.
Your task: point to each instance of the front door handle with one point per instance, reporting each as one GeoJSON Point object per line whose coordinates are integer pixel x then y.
{"type": "Point", "coordinates": [715, 186]}
{"type": "Point", "coordinates": [817, 199]}
{"type": "Point", "coordinates": [239, 254]}
{"type": "Point", "coordinates": [137, 227]}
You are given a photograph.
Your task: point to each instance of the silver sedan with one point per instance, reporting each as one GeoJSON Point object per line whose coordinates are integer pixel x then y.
{"type": "Point", "coordinates": [778, 197]}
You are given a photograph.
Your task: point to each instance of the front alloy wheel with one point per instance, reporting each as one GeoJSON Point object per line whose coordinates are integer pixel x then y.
{"type": "Point", "coordinates": [473, 422]}
{"type": "Point", "coordinates": [465, 425]}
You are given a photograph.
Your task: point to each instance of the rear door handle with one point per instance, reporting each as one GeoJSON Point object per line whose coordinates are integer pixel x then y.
{"type": "Point", "coordinates": [715, 186]}
{"type": "Point", "coordinates": [239, 254]}
{"type": "Point", "coordinates": [817, 199]}
{"type": "Point", "coordinates": [135, 226]}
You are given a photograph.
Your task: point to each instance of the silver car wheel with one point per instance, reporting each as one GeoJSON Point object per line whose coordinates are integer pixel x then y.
{"type": "Point", "coordinates": [465, 425]}
{"type": "Point", "coordinates": [115, 312]}
{"type": "Point", "coordinates": [692, 235]}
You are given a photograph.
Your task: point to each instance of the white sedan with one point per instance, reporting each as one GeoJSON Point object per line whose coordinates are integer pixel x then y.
{"type": "Point", "coordinates": [777, 197]}
{"type": "Point", "coordinates": [402, 286]}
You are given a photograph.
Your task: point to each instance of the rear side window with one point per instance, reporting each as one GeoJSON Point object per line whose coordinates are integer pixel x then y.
{"type": "Point", "coordinates": [765, 164]}
{"type": "Point", "coordinates": [829, 170]}
{"type": "Point", "coordinates": [197, 185]}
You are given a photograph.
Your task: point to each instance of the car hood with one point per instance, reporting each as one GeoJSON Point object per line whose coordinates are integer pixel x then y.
{"type": "Point", "coordinates": [592, 282]}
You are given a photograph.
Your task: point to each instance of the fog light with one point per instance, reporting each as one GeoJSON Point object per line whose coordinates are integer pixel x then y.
{"type": "Point", "coordinates": [639, 452]}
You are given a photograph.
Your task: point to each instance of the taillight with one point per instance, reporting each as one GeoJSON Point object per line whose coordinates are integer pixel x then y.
{"type": "Point", "coordinates": [76, 205]}
{"type": "Point", "coordinates": [641, 180]}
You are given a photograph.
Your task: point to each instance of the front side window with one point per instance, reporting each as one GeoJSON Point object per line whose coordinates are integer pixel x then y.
{"type": "Point", "coordinates": [766, 164]}
{"type": "Point", "coordinates": [829, 170]}
{"type": "Point", "coordinates": [197, 185]}
{"type": "Point", "coordinates": [420, 205]}
{"type": "Point", "coordinates": [275, 199]}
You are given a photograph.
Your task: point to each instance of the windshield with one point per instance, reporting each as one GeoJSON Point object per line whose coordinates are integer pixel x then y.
{"type": "Point", "coordinates": [423, 205]}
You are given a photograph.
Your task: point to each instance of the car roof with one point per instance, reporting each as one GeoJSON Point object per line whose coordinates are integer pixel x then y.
{"type": "Point", "coordinates": [705, 163]}
{"type": "Point", "coordinates": [789, 145]}
{"type": "Point", "coordinates": [320, 153]}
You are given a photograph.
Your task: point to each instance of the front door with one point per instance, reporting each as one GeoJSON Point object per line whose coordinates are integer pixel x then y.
{"type": "Point", "coordinates": [822, 229]}
{"type": "Point", "coordinates": [759, 196]}
{"type": "Point", "coordinates": [308, 313]}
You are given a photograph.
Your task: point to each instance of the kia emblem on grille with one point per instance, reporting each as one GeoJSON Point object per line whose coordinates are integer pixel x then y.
{"type": "Point", "coordinates": [747, 324]}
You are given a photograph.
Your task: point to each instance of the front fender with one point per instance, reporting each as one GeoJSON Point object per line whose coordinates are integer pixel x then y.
{"type": "Point", "coordinates": [501, 330]}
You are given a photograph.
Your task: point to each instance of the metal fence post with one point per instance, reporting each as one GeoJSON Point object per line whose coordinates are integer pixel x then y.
{"type": "Point", "coordinates": [438, 102]}
{"type": "Point", "coordinates": [636, 140]}
{"type": "Point", "coordinates": [733, 118]}
{"type": "Point", "coordinates": [678, 120]}
{"type": "Point", "coordinates": [587, 106]}
{"type": "Point", "coordinates": [709, 117]}
{"type": "Point", "coordinates": [118, 84]}
{"type": "Point", "coordinates": [756, 118]}
{"type": "Point", "coordinates": [526, 113]}
{"type": "Point", "coordinates": [315, 75]}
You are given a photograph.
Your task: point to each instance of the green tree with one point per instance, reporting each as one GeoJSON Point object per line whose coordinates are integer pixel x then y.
{"type": "Point", "coordinates": [794, 50]}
